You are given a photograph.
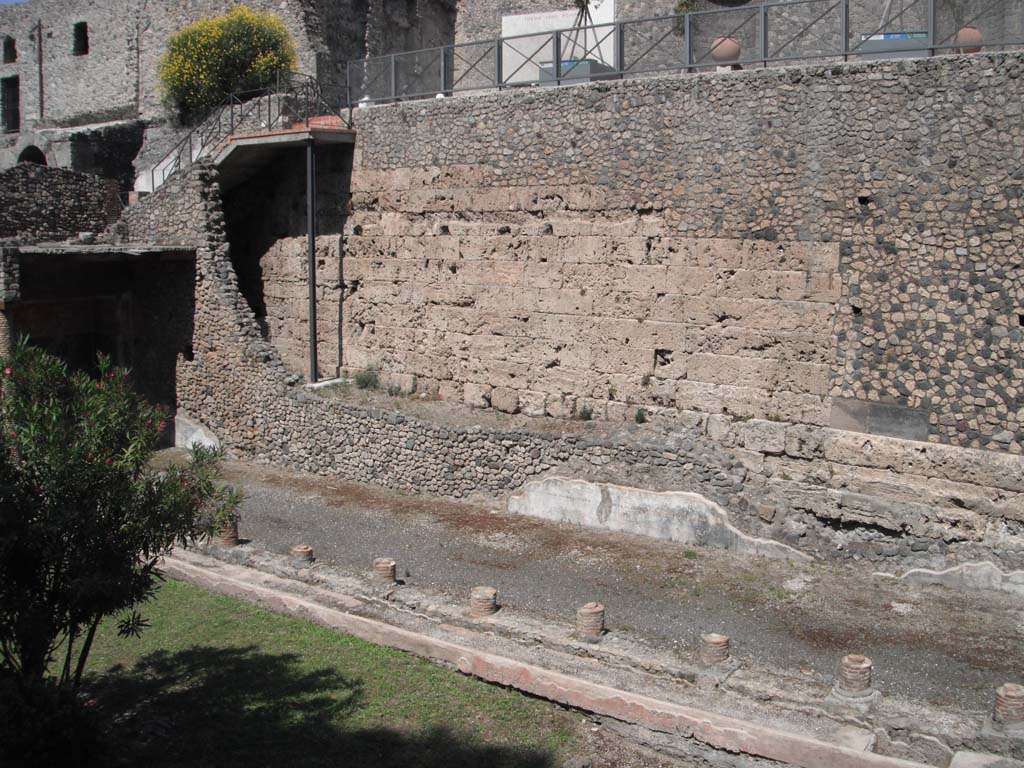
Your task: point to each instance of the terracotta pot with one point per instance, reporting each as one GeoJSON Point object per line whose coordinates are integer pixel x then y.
{"type": "Point", "coordinates": [725, 50]}
{"type": "Point", "coordinates": [969, 40]}
{"type": "Point", "coordinates": [228, 534]}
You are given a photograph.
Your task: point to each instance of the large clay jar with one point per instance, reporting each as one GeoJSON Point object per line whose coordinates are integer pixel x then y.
{"type": "Point", "coordinates": [725, 50]}
{"type": "Point", "coordinates": [968, 40]}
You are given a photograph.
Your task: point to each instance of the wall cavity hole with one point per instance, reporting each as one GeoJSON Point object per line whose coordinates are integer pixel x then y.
{"type": "Point", "coordinates": [662, 357]}
{"type": "Point", "coordinates": [453, 268]}
{"type": "Point", "coordinates": [856, 310]}
{"type": "Point", "coordinates": [865, 199]}
{"type": "Point", "coordinates": [1020, 319]}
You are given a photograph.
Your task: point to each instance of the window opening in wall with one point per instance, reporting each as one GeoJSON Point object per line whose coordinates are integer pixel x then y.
{"type": "Point", "coordinates": [10, 50]}
{"type": "Point", "coordinates": [10, 104]}
{"type": "Point", "coordinates": [81, 39]}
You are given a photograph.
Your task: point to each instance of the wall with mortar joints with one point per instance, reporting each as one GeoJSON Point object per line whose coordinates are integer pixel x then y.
{"type": "Point", "coordinates": [911, 198]}
{"type": "Point", "coordinates": [832, 493]}
{"type": "Point", "coordinates": [41, 203]}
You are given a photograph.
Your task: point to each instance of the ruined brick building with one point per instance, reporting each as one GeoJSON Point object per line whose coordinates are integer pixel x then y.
{"type": "Point", "coordinates": [805, 277]}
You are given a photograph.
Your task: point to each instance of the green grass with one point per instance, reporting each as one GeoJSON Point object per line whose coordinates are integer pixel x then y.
{"type": "Point", "coordinates": [218, 682]}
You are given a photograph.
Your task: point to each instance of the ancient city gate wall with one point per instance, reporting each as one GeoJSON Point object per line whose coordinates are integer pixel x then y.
{"type": "Point", "coordinates": [831, 246]}
{"type": "Point", "coordinates": [742, 256]}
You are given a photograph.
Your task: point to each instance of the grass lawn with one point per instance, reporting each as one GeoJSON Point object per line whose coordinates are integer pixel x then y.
{"type": "Point", "coordinates": [218, 682]}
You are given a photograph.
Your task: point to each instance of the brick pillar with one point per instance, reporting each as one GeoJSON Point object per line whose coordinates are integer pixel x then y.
{"type": "Point", "coordinates": [6, 333]}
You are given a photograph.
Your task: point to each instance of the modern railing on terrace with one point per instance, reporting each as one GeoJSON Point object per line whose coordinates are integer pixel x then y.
{"type": "Point", "coordinates": [769, 34]}
{"type": "Point", "coordinates": [290, 98]}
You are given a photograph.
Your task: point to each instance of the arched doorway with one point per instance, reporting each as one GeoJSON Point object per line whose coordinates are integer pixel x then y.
{"type": "Point", "coordinates": [32, 154]}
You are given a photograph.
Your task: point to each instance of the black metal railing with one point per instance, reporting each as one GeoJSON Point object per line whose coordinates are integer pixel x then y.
{"type": "Point", "coordinates": [768, 34]}
{"type": "Point", "coordinates": [291, 98]}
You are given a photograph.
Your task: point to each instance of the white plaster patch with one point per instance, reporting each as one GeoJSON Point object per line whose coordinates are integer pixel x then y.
{"type": "Point", "coordinates": [985, 576]}
{"type": "Point", "coordinates": [687, 518]}
{"type": "Point", "coordinates": [188, 433]}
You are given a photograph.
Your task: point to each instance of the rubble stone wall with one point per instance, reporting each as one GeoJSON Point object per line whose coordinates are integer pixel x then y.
{"type": "Point", "coordinates": [41, 203]}
{"type": "Point", "coordinates": [877, 190]}
{"type": "Point", "coordinates": [828, 245]}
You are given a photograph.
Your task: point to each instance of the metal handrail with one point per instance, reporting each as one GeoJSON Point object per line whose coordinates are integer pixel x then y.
{"type": "Point", "coordinates": [295, 95]}
{"type": "Point", "coordinates": [382, 79]}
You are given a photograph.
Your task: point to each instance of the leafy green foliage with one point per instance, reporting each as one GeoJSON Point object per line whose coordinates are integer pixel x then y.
{"type": "Point", "coordinates": [367, 378]}
{"type": "Point", "coordinates": [83, 520]}
{"type": "Point", "coordinates": [209, 59]}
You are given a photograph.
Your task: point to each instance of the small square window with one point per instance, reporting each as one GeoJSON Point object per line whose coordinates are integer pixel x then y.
{"type": "Point", "coordinates": [10, 50]}
{"type": "Point", "coordinates": [81, 39]}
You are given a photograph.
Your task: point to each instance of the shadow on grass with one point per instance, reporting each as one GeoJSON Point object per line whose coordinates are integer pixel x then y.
{"type": "Point", "coordinates": [240, 707]}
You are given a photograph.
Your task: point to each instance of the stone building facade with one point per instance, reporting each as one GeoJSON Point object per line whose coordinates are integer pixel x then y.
{"type": "Point", "coordinates": [80, 81]}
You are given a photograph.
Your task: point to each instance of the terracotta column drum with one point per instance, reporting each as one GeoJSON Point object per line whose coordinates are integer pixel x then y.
{"type": "Point", "coordinates": [714, 649]}
{"type": "Point", "coordinates": [1009, 709]}
{"type": "Point", "coordinates": [483, 601]}
{"type": "Point", "coordinates": [384, 568]}
{"type": "Point", "coordinates": [302, 552]}
{"type": "Point", "coordinates": [854, 676]}
{"type": "Point", "coordinates": [590, 620]}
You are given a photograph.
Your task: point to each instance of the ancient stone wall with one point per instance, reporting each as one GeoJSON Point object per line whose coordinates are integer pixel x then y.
{"type": "Point", "coordinates": [824, 245]}
{"type": "Point", "coordinates": [174, 215]}
{"type": "Point", "coordinates": [780, 184]}
{"type": "Point", "coordinates": [266, 223]}
{"type": "Point", "coordinates": [41, 203]}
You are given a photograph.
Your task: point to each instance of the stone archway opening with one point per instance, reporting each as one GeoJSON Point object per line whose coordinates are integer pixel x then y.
{"type": "Point", "coordinates": [32, 154]}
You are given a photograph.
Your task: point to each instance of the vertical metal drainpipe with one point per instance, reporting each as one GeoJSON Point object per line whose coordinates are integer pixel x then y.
{"type": "Point", "coordinates": [311, 252]}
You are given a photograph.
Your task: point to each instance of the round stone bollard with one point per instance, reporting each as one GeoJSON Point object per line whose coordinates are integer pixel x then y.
{"type": "Point", "coordinates": [301, 553]}
{"type": "Point", "coordinates": [854, 679]}
{"type": "Point", "coordinates": [590, 620]}
{"type": "Point", "coordinates": [384, 568]}
{"type": "Point", "coordinates": [1009, 708]}
{"type": "Point", "coordinates": [483, 601]}
{"type": "Point", "coordinates": [715, 649]}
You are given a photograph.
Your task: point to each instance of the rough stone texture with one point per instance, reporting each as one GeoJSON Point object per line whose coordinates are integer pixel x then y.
{"type": "Point", "coordinates": [829, 493]}
{"type": "Point", "coordinates": [175, 217]}
{"type": "Point", "coordinates": [755, 243]}
{"type": "Point", "coordinates": [41, 203]}
{"type": "Point", "coordinates": [68, 101]}
{"type": "Point", "coordinates": [266, 221]}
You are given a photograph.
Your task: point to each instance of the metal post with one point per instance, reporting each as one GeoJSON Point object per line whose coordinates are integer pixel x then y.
{"type": "Point", "coordinates": [558, 58]}
{"type": "Point", "coordinates": [688, 29]}
{"type": "Point", "coordinates": [444, 71]}
{"type": "Point", "coordinates": [620, 49]}
{"type": "Point", "coordinates": [499, 64]}
{"type": "Point", "coordinates": [932, 28]}
{"type": "Point", "coordinates": [311, 252]}
{"type": "Point", "coordinates": [764, 36]}
{"type": "Point", "coordinates": [394, 78]}
{"type": "Point", "coordinates": [844, 28]}
{"type": "Point", "coordinates": [348, 88]}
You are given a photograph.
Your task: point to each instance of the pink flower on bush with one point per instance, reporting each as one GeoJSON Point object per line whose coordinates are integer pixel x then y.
{"type": "Point", "coordinates": [160, 426]}
{"type": "Point", "coordinates": [7, 371]}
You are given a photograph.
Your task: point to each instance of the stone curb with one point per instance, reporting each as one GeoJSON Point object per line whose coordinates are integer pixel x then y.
{"type": "Point", "coordinates": [715, 730]}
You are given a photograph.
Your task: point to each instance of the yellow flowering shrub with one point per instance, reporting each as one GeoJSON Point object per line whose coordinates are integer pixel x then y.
{"type": "Point", "coordinates": [211, 58]}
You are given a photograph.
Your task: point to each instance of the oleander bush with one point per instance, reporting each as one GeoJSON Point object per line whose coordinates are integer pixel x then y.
{"type": "Point", "coordinates": [209, 59]}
